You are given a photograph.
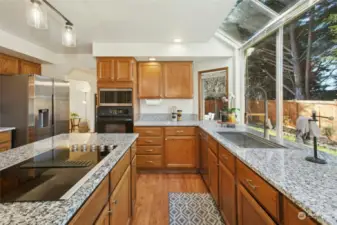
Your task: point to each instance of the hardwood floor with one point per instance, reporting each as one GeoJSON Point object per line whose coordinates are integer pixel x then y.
{"type": "Point", "coordinates": [152, 195]}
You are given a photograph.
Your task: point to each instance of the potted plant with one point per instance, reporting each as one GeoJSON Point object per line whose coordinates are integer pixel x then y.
{"type": "Point", "coordinates": [74, 120]}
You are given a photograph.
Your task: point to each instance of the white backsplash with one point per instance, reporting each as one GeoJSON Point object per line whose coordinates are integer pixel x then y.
{"type": "Point", "coordinates": [165, 106]}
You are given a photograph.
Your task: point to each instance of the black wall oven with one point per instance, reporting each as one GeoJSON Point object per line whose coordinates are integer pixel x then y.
{"type": "Point", "coordinates": [114, 119]}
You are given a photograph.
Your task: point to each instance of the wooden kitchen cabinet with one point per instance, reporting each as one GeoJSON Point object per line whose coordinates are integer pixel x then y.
{"type": "Point", "coordinates": [180, 152]}
{"type": "Point", "coordinates": [149, 80]}
{"type": "Point", "coordinates": [227, 195]}
{"type": "Point", "coordinates": [295, 216]}
{"type": "Point", "coordinates": [8, 64]}
{"type": "Point", "coordinates": [133, 184]}
{"type": "Point", "coordinates": [249, 211]}
{"type": "Point", "coordinates": [115, 71]}
{"type": "Point", "coordinates": [178, 80]}
{"type": "Point", "coordinates": [104, 217]}
{"type": "Point", "coordinates": [213, 175]}
{"type": "Point", "coordinates": [5, 141]}
{"type": "Point", "coordinates": [29, 68]}
{"type": "Point", "coordinates": [120, 201]}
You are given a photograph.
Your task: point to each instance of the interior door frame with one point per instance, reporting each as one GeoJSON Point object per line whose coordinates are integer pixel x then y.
{"type": "Point", "coordinates": [200, 87]}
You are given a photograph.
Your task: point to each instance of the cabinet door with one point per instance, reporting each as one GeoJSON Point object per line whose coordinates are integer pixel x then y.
{"type": "Point", "coordinates": [8, 65]}
{"type": "Point", "coordinates": [29, 68]}
{"type": "Point", "coordinates": [105, 70]}
{"type": "Point", "coordinates": [178, 82]}
{"type": "Point", "coordinates": [180, 152]}
{"type": "Point", "coordinates": [149, 80]}
{"type": "Point", "coordinates": [120, 201]}
{"type": "Point", "coordinates": [213, 175]}
{"type": "Point", "coordinates": [133, 184]}
{"type": "Point", "coordinates": [104, 217]}
{"type": "Point", "coordinates": [124, 69]}
{"type": "Point", "coordinates": [204, 158]}
{"type": "Point", "coordinates": [295, 216]}
{"type": "Point", "coordinates": [249, 211]}
{"type": "Point", "coordinates": [227, 195]}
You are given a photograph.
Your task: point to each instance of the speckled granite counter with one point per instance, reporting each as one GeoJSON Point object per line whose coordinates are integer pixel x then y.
{"type": "Point", "coordinates": [163, 123]}
{"type": "Point", "coordinates": [60, 212]}
{"type": "Point", "coordinates": [4, 129]}
{"type": "Point", "coordinates": [311, 186]}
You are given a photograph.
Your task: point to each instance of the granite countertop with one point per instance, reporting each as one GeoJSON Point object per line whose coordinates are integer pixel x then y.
{"type": "Point", "coordinates": [187, 123]}
{"type": "Point", "coordinates": [3, 129]}
{"type": "Point", "coordinates": [312, 187]}
{"type": "Point", "coordinates": [60, 212]}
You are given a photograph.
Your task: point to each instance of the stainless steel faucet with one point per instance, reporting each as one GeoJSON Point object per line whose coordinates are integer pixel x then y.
{"type": "Point", "coordinates": [265, 124]}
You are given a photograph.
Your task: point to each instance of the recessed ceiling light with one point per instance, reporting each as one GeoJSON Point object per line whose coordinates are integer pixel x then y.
{"type": "Point", "coordinates": [177, 40]}
{"type": "Point", "coordinates": [152, 59]}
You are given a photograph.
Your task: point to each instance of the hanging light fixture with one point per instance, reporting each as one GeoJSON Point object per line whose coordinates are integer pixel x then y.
{"type": "Point", "coordinates": [36, 15]}
{"type": "Point", "coordinates": [69, 35]}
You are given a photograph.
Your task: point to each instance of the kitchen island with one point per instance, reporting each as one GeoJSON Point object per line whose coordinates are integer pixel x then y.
{"type": "Point", "coordinates": [62, 211]}
{"type": "Point", "coordinates": [286, 175]}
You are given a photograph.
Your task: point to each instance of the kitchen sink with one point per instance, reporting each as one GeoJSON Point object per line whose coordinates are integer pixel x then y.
{"type": "Point", "coordinates": [247, 140]}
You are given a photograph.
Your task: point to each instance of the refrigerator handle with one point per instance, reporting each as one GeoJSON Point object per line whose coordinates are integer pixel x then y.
{"type": "Point", "coordinates": [52, 111]}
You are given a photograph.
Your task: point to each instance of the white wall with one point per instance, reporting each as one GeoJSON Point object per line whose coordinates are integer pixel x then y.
{"type": "Point", "coordinates": [165, 107]}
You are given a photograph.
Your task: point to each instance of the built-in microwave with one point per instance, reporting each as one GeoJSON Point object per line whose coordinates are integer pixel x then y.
{"type": "Point", "coordinates": [115, 97]}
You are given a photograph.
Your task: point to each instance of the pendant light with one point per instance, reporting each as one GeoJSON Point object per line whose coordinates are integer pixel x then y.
{"type": "Point", "coordinates": [36, 14]}
{"type": "Point", "coordinates": [69, 35]}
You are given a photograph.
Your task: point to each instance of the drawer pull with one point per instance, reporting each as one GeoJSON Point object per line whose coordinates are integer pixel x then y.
{"type": "Point", "coordinates": [180, 131]}
{"type": "Point", "coordinates": [151, 162]}
{"type": "Point", "coordinates": [301, 215]}
{"type": "Point", "coordinates": [250, 183]}
{"type": "Point", "coordinates": [149, 150]}
{"type": "Point", "coordinates": [148, 132]}
{"type": "Point", "coordinates": [149, 141]}
{"type": "Point", "coordinates": [224, 157]}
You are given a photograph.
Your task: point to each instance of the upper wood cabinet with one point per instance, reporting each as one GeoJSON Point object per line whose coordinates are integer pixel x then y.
{"type": "Point", "coordinates": [149, 80]}
{"type": "Point", "coordinates": [178, 80]}
{"type": "Point", "coordinates": [9, 65]}
{"type": "Point", "coordinates": [112, 70]}
{"type": "Point", "coordinates": [29, 68]}
{"type": "Point", "coordinates": [295, 216]}
{"type": "Point", "coordinates": [249, 211]}
{"type": "Point", "coordinates": [180, 152]}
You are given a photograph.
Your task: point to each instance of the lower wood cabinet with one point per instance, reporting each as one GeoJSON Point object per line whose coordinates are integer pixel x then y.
{"type": "Point", "coordinates": [227, 193]}
{"type": "Point", "coordinates": [213, 175]}
{"type": "Point", "coordinates": [133, 184]}
{"type": "Point", "coordinates": [5, 141]}
{"type": "Point", "coordinates": [104, 217]}
{"type": "Point", "coordinates": [180, 152]}
{"type": "Point", "coordinates": [120, 201]}
{"type": "Point", "coordinates": [249, 211]}
{"type": "Point", "coordinates": [295, 216]}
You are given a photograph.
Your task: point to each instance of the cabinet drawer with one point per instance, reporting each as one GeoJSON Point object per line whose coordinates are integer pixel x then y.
{"type": "Point", "coordinates": [89, 212]}
{"type": "Point", "coordinates": [150, 150]}
{"type": "Point", "coordinates": [119, 169]}
{"type": "Point", "coordinates": [5, 146]}
{"type": "Point", "coordinates": [179, 131]}
{"type": "Point", "coordinates": [149, 161]}
{"type": "Point", "coordinates": [268, 197]}
{"type": "Point", "coordinates": [213, 145]}
{"type": "Point", "coordinates": [5, 136]}
{"type": "Point", "coordinates": [227, 159]}
{"type": "Point", "coordinates": [292, 214]}
{"type": "Point", "coordinates": [133, 150]}
{"type": "Point", "coordinates": [157, 141]}
{"type": "Point", "coordinates": [149, 131]}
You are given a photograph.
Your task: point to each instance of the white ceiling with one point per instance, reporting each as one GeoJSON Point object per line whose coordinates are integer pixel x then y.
{"type": "Point", "coordinates": [124, 21]}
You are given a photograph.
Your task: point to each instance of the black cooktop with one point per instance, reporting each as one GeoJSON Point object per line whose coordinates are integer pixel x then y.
{"type": "Point", "coordinates": [48, 176]}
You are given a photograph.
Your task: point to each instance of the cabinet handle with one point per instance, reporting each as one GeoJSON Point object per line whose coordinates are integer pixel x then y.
{"type": "Point", "coordinates": [149, 141]}
{"type": "Point", "coordinates": [250, 183]}
{"type": "Point", "coordinates": [109, 212]}
{"type": "Point", "coordinates": [301, 215]}
{"type": "Point", "coordinates": [225, 157]}
{"type": "Point", "coordinates": [149, 150]}
{"type": "Point", "coordinates": [180, 131]}
{"type": "Point", "coordinates": [115, 202]}
{"type": "Point", "coordinates": [148, 132]}
{"type": "Point", "coordinates": [150, 162]}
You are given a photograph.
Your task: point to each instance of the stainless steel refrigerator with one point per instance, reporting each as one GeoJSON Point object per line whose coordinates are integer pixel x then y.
{"type": "Point", "coordinates": [37, 106]}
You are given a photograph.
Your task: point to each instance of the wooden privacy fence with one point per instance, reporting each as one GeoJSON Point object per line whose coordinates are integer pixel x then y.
{"type": "Point", "coordinates": [293, 109]}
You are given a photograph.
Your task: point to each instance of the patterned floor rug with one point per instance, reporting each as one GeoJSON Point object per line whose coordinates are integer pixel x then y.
{"type": "Point", "coordinates": [193, 209]}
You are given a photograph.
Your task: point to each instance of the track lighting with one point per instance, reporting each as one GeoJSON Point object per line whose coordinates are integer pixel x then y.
{"type": "Point", "coordinates": [36, 15]}
{"type": "Point", "coordinates": [69, 35]}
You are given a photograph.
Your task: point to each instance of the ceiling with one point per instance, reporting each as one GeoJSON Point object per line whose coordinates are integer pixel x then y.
{"type": "Point", "coordinates": [124, 21]}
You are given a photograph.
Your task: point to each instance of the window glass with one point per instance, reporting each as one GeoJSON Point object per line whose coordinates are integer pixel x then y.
{"type": "Point", "coordinates": [278, 5]}
{"type": "Point", "coordinates": [245, 20]}
{"type": "Point", "coordinates": [310, 72]}
{"type": "Point", "coordinates": [260, 81]}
